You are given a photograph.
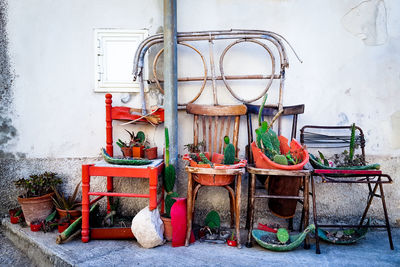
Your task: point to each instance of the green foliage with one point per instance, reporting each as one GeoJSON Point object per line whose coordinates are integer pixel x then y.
{"type": "Point", "coordinates": [38, 185]}
{"type": "Point", "coordinates": [282, 235]}
{"type": "Point", "coordinates": [205, 160]}
{"type": "Point", "coordinates": [268, 141]}
{"type": "Point", "coordinates": [169, 176]}
{"type": "Point", "coordinates": [323, 159]}
{"type": "Point", "coordinates": [136, 140]}
{"type": "Point", "coordinates": [281, 159]}
{"type": "Point", "coordinates": [63, 202]}
{"type": "Point", "coordinates": [261, 109]}
{"type": "Point", "coordinates": [192, 148]}
{"type": "Point", "coordinates": [169, 201]}
{"type": "Point", "coordinates": [226, 139]}
{"type": "Point", "coordinates": [213, 220]}
{"type": "Point", "coordinates": [352, 141]}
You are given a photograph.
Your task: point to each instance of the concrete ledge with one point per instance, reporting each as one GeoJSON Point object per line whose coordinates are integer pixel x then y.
{"type": "Point", "coordinates": [34, 245]}
{"type": "Point", "coordinates": [43, 251]}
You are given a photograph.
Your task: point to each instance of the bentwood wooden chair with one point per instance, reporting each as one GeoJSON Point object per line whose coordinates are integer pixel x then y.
{"type": "Point", "coordinates": [211, 124]}
{"type": "Point", "coordinates": [331, 138]}
{"type": "Point", "coordinates": [102, 169]}
{"type": "Point", "coordinates": [267, 178]}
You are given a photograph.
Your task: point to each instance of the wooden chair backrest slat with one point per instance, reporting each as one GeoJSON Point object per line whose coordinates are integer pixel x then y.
{"type": "Point", "coordinates": [213, 123]}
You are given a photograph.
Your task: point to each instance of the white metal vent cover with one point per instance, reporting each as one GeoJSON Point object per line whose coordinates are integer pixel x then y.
{"type": "Point", "coordinates": [114, 53]}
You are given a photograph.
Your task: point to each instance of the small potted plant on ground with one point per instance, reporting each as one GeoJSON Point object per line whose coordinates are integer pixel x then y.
{"type": "Point", "coordinates": [16, 215]}
{"type": "Point", "coordinates": [137, 143]}
{"type": "Point", "coordinates": [67, 206]}
{"type": "Point", "coordinates": [36, 201]}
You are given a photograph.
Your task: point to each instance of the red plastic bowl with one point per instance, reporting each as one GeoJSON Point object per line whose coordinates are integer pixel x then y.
{"type": "Point", "coordinates": [35, 227]}
{"type": "Point", "coordinates": [62, 227]}
{"type": "Point", "coordinates": [232, 243]}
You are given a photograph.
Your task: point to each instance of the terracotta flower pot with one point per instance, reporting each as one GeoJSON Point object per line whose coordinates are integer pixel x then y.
{"type": "Point", "coordinates": [73, 214]}
{"type": "Point", "coordinates": [126, 151]}
{"type": "Point", "coordinates": [138, 151]}
{"type": "Point", "coordinates": [150, 153]}
{"type": "Point", "coordinates": [214, 180]}
{"type": "Point", "coordinates": [36, 226]}
{"type": "Point", "coordinates": [36, 208]}
{"type": "Point", "coordinates": [167, 228]}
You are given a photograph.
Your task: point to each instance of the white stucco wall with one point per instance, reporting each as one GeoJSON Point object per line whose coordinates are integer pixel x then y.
{"type": "Point", "coordinates": [343, 79]}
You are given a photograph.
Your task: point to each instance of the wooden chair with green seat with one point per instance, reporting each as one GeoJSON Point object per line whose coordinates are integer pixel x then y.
{"type": "Point", "coordinates": [211, 124]}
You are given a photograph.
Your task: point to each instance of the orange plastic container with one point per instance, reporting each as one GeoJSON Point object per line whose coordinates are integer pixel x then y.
{"type": "Point", "coordinates": [263, 162]}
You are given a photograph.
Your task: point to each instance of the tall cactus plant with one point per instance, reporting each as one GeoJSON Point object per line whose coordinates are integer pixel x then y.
{"type": "Point", "coordinates": [169, 178]}
{"type": "Point", "coordinates": [352, 142]}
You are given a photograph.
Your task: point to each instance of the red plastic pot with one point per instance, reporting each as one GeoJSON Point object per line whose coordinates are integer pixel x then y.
{"type": "Point", "coordinates": [231, 243]}
{"type": "Point", "coordinates": [13, 218]}
{"type": "Point", "coordinates": [36, 226]}
{"type": "Point", "coordinates": [62, 227]}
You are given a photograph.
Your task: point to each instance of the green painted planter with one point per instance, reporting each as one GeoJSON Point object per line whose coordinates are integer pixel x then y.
{"type": "Point", "coordinates": [314, 162]}
{"type": "Point", "coordinates": [361, 232]}
{"type": "Point", "coordinates": [127, 161]}
{"type": "Point", "coordinates": [295, 240]}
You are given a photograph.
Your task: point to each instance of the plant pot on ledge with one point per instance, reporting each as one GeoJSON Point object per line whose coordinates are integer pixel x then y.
{"type": "Point", "coordinates": [150, 153]}
{"type": "Point", "coordinates": [138, 151]}
{"type": "Point", "coordinates": [36, 208]}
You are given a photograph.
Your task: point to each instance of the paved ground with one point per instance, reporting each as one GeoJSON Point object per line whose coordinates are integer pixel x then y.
{"type": "Point", "coordinates": [372, 251]}
{"type": "Point", "coordinates": [10, 255]}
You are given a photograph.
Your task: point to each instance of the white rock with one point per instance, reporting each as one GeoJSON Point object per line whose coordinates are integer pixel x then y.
{"type": "Point", "coordinates": [148, 228]}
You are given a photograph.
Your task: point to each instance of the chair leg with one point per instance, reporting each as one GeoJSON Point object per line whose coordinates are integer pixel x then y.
{"type": "Point", "coordinates": [85, 203]}
{"type": "Point", "coordinates": [250, 209]}
{"type": "Point", "coordinates": [248, 203]}
{"type": "Point", "coordinates": [306, 208]}
{"type": "Point", "coordinates": [232, 209]}
{"type": "Point", "coordinates": [237, 205]}
{"type": "Point", "coordinates": [370, 198]}
{"type": "Point", "coordinates": [189, 208]}
{"type": "Point", "coordinates": [317, 249]}
{"type": "Point", "coordinates": [386, 216]}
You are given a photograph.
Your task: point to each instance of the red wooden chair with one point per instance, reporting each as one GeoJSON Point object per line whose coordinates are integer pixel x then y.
{"type": "Point", "coordinates": [150, 172]}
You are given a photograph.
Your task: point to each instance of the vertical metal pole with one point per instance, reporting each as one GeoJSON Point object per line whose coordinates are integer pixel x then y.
{"type": "Point", "coordinates": [170, 77]}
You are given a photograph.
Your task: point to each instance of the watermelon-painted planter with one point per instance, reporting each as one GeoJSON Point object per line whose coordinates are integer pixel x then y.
{"type": "Point", "coordinates": [217, 179]}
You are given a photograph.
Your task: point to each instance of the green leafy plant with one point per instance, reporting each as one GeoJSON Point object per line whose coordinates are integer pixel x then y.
{"type": "Point", "coordinates": [66, 203]}
{"type": "Point", "coordinates": [213, 221]}
{"type": "Point", "coordinates": [192, 148]}
{"type": "Point", "coordinates": [169, 179]}
{"type": "Point", "coordinates": [38, 184]}
{"type": "Point", "coordinates": [135, 140]}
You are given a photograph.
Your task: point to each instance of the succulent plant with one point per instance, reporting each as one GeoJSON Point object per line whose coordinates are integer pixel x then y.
{"type": "Point", "coordinates": [229, 152]}
{"type": "Point", "coordinates": [281, 159]}
{"type": "Point", "coordinates": [38, 184]}
{"type": "Point", "coordinates": [169, 178]}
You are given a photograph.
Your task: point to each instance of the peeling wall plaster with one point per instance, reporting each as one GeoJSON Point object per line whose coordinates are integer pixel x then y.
{"type": "Point", "coordinates": [368, 21]}
{"type": "Point", "coordinates": [7, 130]}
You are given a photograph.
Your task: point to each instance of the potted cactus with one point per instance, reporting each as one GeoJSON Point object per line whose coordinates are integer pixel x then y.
{"type": "Point", "coordinates": [135, 147]}
{"type": "Point", "coordinates": [36, 201]}
{"type": "Point", "coordinates": [273, 152]}
{"type": "Point", "coordinates": [169, 183]}
{"type": "Point", "coordinates": [216, 161]}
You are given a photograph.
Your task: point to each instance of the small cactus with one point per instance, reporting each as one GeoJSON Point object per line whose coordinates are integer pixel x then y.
{"type": "Point", "coordinates": [280, 159]}
{"type": "Point", "coordinates": [282, 235]}
{"type": "Point", "coordinates": [229, 152]}
{"type": "Point", "coordinates": [205, 160]}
